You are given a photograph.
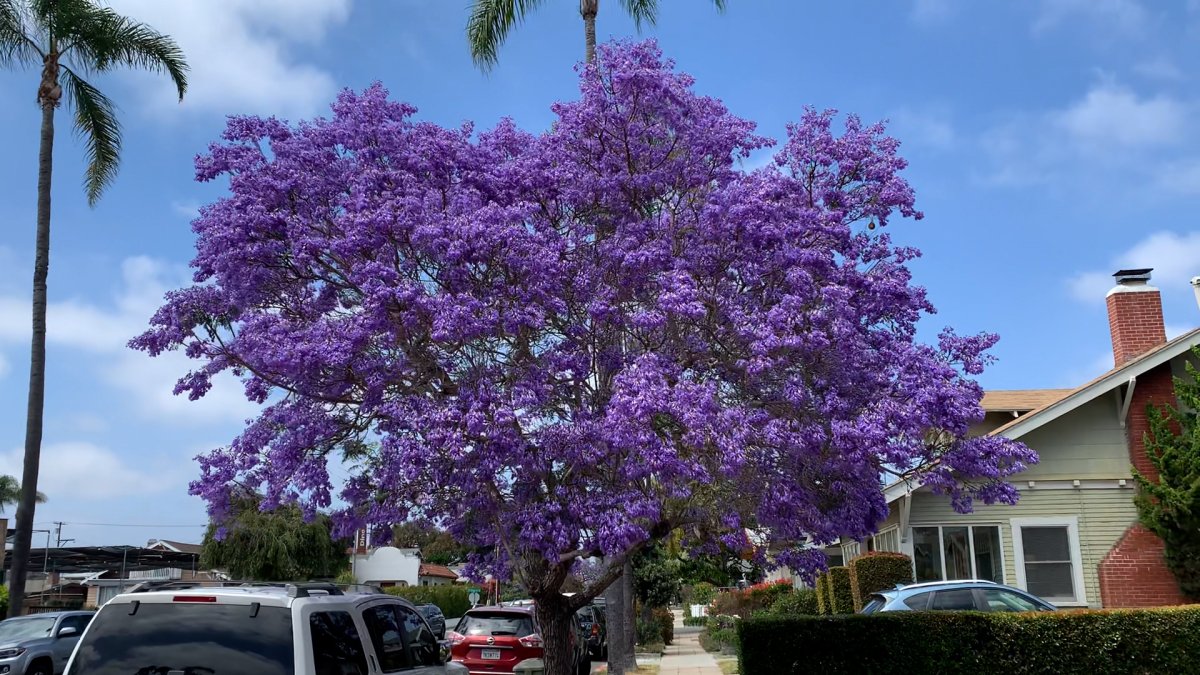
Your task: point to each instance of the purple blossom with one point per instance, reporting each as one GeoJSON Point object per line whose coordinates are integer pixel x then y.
{"type": "Point", "coordinates": [566, 344]}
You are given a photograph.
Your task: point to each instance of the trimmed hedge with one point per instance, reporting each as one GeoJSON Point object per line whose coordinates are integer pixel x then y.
{"type": "Point", "coordinates": [1112, 642]}
{"type": "Point", "coordinates": [841, 597]}
{"type": "Point", "coordinates": [452, 600]}
{"type": "Point", "coordinates": [822, 589]}
{"type": "Point", "coordinates": [878, 571]}
{"type": "Point", "coordinates": [800, 602]}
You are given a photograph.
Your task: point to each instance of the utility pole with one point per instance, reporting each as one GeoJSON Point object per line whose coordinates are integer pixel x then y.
{"type": "Point", "coordinates": [58, 525]}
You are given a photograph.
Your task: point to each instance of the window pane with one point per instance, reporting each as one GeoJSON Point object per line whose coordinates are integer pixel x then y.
{"type": "Point", "coordinates": [337, 648]}
{"type": "Point", "coordinates": [385, 629]}
{"type": "Point", "coordinates": [987, 554]}
{"type": "Point", "coordinates": [1046, 544]}
{"type": "Point", "coordinates": [927, 554]}
{"type": "Point", "coordinates": [958, 553]}
{"type": "Point", "coordinates": [919, 601]}
{"type": "Point", "coordinates": [1050, 580]}
{"type": "Point", "coordinates": [422, 645]}
{"type": "Point", "coordinates": [958, 599]}
{"type": "Point", "coordinates": [1007, 601]}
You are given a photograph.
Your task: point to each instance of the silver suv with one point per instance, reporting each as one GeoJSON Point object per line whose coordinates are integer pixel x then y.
{"type": "Point", "coordinates": [300, 629]}
{"type": "Point", "coordinates": [40, 644]}
{"type": "Point", "coordinates": [966, 595]}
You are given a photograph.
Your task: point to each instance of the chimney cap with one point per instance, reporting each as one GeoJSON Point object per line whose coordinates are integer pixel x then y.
{"type": "Point", "coordinates": [1140, 274]}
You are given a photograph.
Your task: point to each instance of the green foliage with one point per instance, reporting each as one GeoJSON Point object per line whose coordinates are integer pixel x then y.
{"type": "Point", "coordinates": [720, 635]}
{"type": "Point", "coordinates": [274, 545]}
{"type": "Point", "coordinates": [695, 620]}
{"type": "Point", "coordinates": [841, 597]}
{"type": "Point", "coordinates": [346, 578]}
{"type": "Point", "coordinates": [452, 600]}
{"type": "Point", "coordinates": [1065, 643]}
{"type": "Point", "coordinates": [649, 632]}
{"type": "Point", "coordinates": [800, 602]}
{"type": "Point", "coordinates": [744, 602]}
{"type": "Point", "coordinates": [1170, 506]}
{"type": "Point", "coordinates": [10, 493]}
{"type": "Point", "coordinates": [438, 547]}
{"type": "Point", "coordinates": [666, 624]}
{"type": "Point", "coordinates": [823, 594]}
{"type": "Point", "coordinates": [655, 577]}
{"type": "Point", "coordinates": [878, 571]}
{"type": "Point", "coordinates": [3, 600]}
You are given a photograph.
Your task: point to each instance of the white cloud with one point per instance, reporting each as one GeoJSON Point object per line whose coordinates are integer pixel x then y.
{"type": "Point", "coordinates": [1174, 257]}
{"type": "Point", "coordinates": [1127, 17]}
{"type": "Point", "coordinates": [1112, 115]}
{"type": "Point", "coordinates": [246, 56]}
{"type": "Point", "coordinates": [84, 470]}
{"type": "Point", "coordinates": [105, 330]}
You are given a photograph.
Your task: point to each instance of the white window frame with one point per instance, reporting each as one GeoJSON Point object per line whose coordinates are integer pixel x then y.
{"type": "Point", "coordinates": [850, 551]}
{"type": "Point", "coordinates": [911, 552]}
{"type": "Point", "coordinates": [890, 531]}
{"type": "Point", "coordinates": [1072, 525]}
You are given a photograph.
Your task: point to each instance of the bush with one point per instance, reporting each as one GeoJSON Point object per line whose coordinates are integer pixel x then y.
{"type": "Point", "coordinates": [702, 594]}
{"type": "Point", "coordinates": [823, 594]}
{"type": "Point", "coordinates": [666, 624]}
{"type": "Point", "coordinates": [745, 602]}
{"type": "Point", "coordinates": [801, 602]}
{"type": "Point", "coordinates": [841, 597]}
{"type": "Point", "coordinates": [452, 600]}
{"type": "Point", "coordinates": [878, 571]}
{"type": "Point", "coordinates": [694, 621]}
{"type": "Point", "coordinates": [1085, 643]}
{"type": "Point", "coordinates": [3, 600]}
{"type": "Point", "coordinates": [649, 632]}
{"type": "Point", "coordinates": [720, 635]}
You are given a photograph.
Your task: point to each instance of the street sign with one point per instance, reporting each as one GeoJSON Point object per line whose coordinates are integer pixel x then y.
{"type": "Point", "coordinates": [473, 596]}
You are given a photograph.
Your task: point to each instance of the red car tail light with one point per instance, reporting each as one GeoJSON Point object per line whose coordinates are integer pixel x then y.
{"type": "Point", "coordinates": [455, 638]}
{"type": "Point", "coordinates": [534, 641]}
{"type": "Point", "coordinates": [595, 630]}
{"type": "Point", "coordinates": [194, 598]}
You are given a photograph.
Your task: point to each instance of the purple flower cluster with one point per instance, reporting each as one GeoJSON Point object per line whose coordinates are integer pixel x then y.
{"type": "Point", "coordinates": [565, 344]}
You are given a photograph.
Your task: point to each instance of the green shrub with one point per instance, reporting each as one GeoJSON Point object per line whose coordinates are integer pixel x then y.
{"type": "Point", "coordinates": [745, 602]}
{"type": "Point", "coordinates": [649, 632]}
{"type": "Point", "coordinates": [800, 602]}
{"type": "Point", "coordinates": [452, 600]}
{"type": "Point", "coordinates": [666, 624]}
{"type": "Point", "coordinates": [841, 597]}
{"type": "Point", "coordinates": [699, 594]}
{"type": "Point", "coordinates": [878, 571]}
{"type": "Point", "coordinates": [3, 600]}
{"type": "Point", "coordinates": [1067, 643]}
{"type": "Point", "coordinates": [823, 594]}
{"type": "Point", "coordinates": [694, 620]}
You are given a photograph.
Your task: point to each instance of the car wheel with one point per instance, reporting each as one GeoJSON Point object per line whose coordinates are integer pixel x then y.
{"type": "Point", "coordinates": [41, 668]}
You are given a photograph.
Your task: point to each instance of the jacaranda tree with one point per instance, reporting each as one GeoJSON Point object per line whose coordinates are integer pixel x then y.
{"type": "Point", "coordinates": [571, 344]}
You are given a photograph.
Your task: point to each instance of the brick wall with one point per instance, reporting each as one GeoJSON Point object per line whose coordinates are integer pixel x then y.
{"type": "Point", "coordinates": [1134, 573]}
{"type": "Point", "coordinates": [1135, 321]}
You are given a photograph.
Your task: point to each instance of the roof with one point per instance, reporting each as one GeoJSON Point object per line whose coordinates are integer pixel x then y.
{"type": "Point", "coordinates": [178, 547]}
{"type": "Point", "coordinates": [104, 558]}
{"type": "Point", "coordinates": [1024, 400]}
{"type": "Point", "coordinates": [436, 571]}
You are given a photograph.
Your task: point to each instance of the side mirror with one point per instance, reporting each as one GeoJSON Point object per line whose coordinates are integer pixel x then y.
{"type": "Point", "coordinates": [68, 631]}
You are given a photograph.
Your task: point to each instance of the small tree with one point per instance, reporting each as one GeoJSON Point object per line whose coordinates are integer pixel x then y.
{"type": "Point", "coordinates": [1170, 505]}
{"type": "Point", "coordinates": [278, 545]}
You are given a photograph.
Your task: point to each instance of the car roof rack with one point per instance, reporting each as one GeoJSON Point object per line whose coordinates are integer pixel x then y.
{"type": "Point", "coordinates": [294, 589]}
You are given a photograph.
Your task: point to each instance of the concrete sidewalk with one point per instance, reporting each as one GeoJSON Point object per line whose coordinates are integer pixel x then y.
{"type": "Point", "coordinates": [686, 657]}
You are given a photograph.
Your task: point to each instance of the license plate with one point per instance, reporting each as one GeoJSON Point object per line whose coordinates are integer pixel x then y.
{"type": "Point", "coordinates": [491, 654]}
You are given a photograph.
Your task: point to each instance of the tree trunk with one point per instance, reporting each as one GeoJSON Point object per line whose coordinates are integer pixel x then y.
{"type": "Point", "coordinates": [557, 631]}
{"type": "Point", "coordinates": [588, 10]}
{"type": "Point", "coordinates": [615, 616]}
{"type": "Point", "coordinates": [630, 620]}
{"type": "Point", "coordinates": [37, 368]}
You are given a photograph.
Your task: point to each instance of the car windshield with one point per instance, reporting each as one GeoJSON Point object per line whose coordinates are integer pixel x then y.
{"type": "Point", "coordinates": [497, 624]}
{"type": "Point", "coordinates": [24, 629]}
{"type": "Point", "coordinates": [195, 637]}
{"type": "Point", "coordinates": [428, 610]}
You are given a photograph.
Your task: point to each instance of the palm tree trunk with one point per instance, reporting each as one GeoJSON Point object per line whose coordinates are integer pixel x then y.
{"type": "Point", "coordinates": [588, 9]}
{"type": "Point", "coordinates": [37, 369]}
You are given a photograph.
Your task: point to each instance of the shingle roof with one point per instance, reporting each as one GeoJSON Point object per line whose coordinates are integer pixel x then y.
{"type": "Point", "coordinates": [192, 549]}
{"type": "Point", "coordinates": [1020, 399]}
{"type": "Point", "coordinates": [437, 571]}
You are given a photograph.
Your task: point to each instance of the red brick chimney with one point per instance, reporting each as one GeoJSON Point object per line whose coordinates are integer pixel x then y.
{"type": "Point", "coordinates": [1135, 316]}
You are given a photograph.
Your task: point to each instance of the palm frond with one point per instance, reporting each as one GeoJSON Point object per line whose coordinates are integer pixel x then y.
{"type": "Point", "coordinates": [16, 45]}
{"type": "Point", "coordinates": [489, 25]}
{"type": "Point", "coordinates": [106, 40]}
{"type": "Point", "coordinates": [96, 122]}
{"type": "Point", "coordinates": [642, 11]}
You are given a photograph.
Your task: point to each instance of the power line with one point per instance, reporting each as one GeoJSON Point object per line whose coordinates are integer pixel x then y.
{"type": "Point", "coordinates": [151, 525]}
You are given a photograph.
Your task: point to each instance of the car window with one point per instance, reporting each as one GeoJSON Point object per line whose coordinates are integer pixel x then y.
{"type": "Point", "coordinates": [955, 599]}
{"type": "Point", "coordinates": [875, 604]}
{"type": "Point", "coordinates": [14, 630]}
{"type": "Point", "coordinates": [386, 634]}
{"type": "Point", "coordinates": [336, 646]}
{"type": "Point", "coordinates": [76, 621]}
{"type": "Point", "coordinates": [497, 623]}
{"type": "Point", "coordinates": [999, 600]}
{"type": "Point", "coordinates": [422, 644]}
{"type": "Point", "coordinates": [128, 638]}
{"type": "Point", "coordinates": [919, 601]}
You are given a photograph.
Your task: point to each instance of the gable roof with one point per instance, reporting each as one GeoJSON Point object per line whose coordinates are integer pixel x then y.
{"type": "Point", "coordinates": [436, 571]}
{"type": "Point", "coordinates": [176, 546]}
{"type": "Point", "coordinates": [1021, 400]}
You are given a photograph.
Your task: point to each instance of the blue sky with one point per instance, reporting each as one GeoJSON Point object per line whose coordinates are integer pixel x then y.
{"type": "Point", "coordinates": [1050, 141]}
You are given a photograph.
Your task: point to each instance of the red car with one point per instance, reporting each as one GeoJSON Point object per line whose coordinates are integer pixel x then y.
{"type": "Point", "coordinates": [489, 640]}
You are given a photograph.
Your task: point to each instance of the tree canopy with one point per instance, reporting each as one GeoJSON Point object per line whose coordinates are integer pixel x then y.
{"type": "Point", "coordinates": [575, 342]}
{"type": "Point", "coordinates": [277, 545]}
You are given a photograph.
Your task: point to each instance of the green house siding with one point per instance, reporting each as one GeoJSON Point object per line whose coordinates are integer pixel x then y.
{"type": "Point", "coordinates": [1103, 516]}
{"type": "Point", "coordinates": [1087, 442]}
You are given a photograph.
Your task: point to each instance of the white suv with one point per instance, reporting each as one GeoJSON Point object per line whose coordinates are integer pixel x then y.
{"type": "Point", "coordinates": [292, 629]}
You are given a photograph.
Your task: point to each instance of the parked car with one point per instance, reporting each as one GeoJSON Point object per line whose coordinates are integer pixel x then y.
{"type": "Point", "coordinates": [966, 595]}
{"type": "Point", "coordinates": [437, 620]}
{"type": "Point", "coordinates": [40, 644]}
{"type": "Point", "coordinates": [292, 629]}
{"type": "Point", "coordinates": [496, 639]}
{"type": "Point", "coordinates": [594, 626]}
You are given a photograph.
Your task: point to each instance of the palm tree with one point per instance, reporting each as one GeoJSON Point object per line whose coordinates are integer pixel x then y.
{"type": "Point", "coordinates": [491, 20]}
{"type": "Point", "coordinates": [10, 492]}
{"type": "Point", "coordinates": [70, 39]}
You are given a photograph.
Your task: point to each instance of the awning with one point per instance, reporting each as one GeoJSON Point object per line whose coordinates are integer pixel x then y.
{"type": "Point", "coordinates": [104, 558]}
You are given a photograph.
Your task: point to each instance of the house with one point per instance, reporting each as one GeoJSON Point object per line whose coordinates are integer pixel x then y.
{"type": "Point", "coordinates": [105, 584]}
{"type": "Point", "coordinates": [436, 575]}
{"type": "Point", "coordinates": [386, 566]}
{"type": "Point", "coordinates": [1074, 537]}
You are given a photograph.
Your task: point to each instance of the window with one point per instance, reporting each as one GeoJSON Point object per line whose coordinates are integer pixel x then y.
{"type": "Point", "coordinates": [514, 624]}
{"type": "Point", "coordinates": [336, 646]}
{"type": "Point", "coordinates": [423, 646]}
{"type": "Point", "coordinates": [888, 540]}
{"type": "Point", "coordinates": [850, 551]}
{"type": "Point", "coordinates": [877, 602]}
{"type": "Point", "coordinates": [959, 599]}
{"type": "Point", "coordinates": [1048, 564]}
{"type": "Point", "coordinates": [78, 622]}
{"type": "Point", "coordinates": [996, 600]}
{"type": "Point", "coordinates": [950, 552]}
{"type": "Point", "coordinates": [919, 601]}
{"type": "Point", "coordinates": [386, 634]}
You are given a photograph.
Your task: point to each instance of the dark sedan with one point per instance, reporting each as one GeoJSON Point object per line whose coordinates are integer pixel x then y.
{"type": "Point", "coordinates": [437, 620]}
